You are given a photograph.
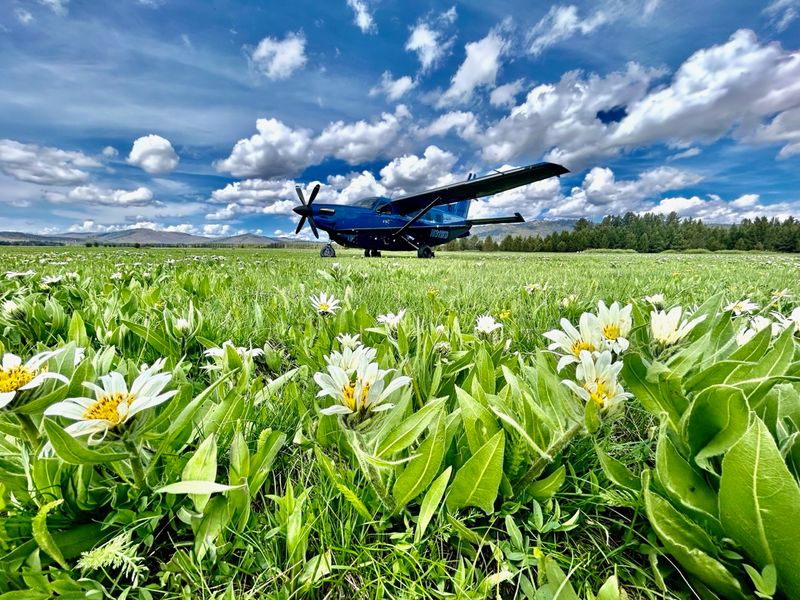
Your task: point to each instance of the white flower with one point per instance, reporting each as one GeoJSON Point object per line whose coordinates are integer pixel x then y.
{"type": "Point", "coordinates": [442, 348]}
{"type": "Point", "coordinates": [363, 392]}
{"type": "Point", "coordinates": [535, 287]}
{"type": "Point", "coordinates": [240, 350]}
{"type": "Point", "coordinates": [116, 276]}
{"type": "Point", "coordinates": [71, 275]}
{"type": "Point", "coordinates": [599, 380]}
{"type": "Point", "coordinates": [656, 300]}
{"type": "Point", "coordinates": [440, 329]}
{"type": "Point", "coordinates": [571, 342]}
{"type": "Point", "coordinates": [486, 324]}
{"type": "Point", "coordinates": [756, 324]}
{"type": "Point", "coordinates": [114, 404]}
{"type": "Point", "coordinates": [615, 325]}
{"type": "Point", "coordinates": [667, 327]}
{"type": "Point", "coordinates": [16, 377]}
{"type": "Point", "coordinates": [742, 307]}
{"type": "Point", "coordinates": [324, 304]}
{"type": "Point", "coordinates": [392, 320]}
{"type": "Point", "coordinates": [16, 274]}
{"type": "Point", "coordinates": [781, 294]}
{"type": "Point", "coordinates": [182, 325]}
{"type": "Point", "coordinates": [348, 341]}
{"type": "Point", "coordinates": [795, 318]}
{"type": "Point", "coordinates": [336, 266]}
{"type": "Point", "coordinates": [569, 301]}
{"type": "Point", "coordinates": [51, 279]}
{"type": "Point", "coordinates": [12, 310]}
{"type": "Point", "coordinates": [349, 358]}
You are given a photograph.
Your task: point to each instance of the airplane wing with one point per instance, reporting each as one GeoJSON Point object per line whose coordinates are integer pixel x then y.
{"type": "Point", "coordinates": [475, 188]}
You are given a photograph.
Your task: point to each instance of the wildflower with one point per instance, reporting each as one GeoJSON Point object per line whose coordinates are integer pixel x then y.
{"type": "Point", "coordinates": [349, 358]}
{"type": "Point", "coordinates": [757, 324]}
{"type": "Point", "coordinates": [442, 348]}
{"type": "Point", "coordinates": [667, 327]}
{"type": "Point", "coordinates": [440, 329]}
{"type": "Point", "coordinates": [12, 310]}
{"type": "Point", "coordinates": [240, 350]}
{"type": "Point", "coordinates": [657, 300]}
{"type": "Point", "coordinates": [16, 275]}
{"type": "Point", "coordinates": [742, 307]}
{"type": "Point", "coordinates": [348, 341]}
{"type": "Point", "coordinates": [16, 377]}
{"type": "Point", "coordinates": [569, 301]}
{"type": "Point", "coordinates": [116, 276]}
{"type": "Point", "coordinates": [505, 314]}
{"type": "Point", "coordinates": [530, 288]}
{"type": "Point", "coordinates": [599, 380]}
{"type": "Point", "coordinates": [487, 325]}
{"type": "Point", "coordinates": [363, 392]}
{"type": "Point", "coordinates": [615, 325]}
{"type": "Point", "coordinates": [114, 404]}
{"type": "Point", "coordinates": [781, 294]}
{"type": "Point", "coordinates": [325, 304]}
{"type": "Point", "coordinates": [182, 325]}
{"type": "Point", "coordinates": [52, 279]}
{"type": "Point", "coordinates": [392, 320]}
{"type": "Point", "coordinates": [336, 266]}
{"type": "Point", "coordinates": [432, 292]}
{"type": "Point", "coordinates": [571, 342]}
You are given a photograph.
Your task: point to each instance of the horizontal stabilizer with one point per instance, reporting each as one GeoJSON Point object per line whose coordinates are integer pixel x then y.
{"type": "Point", "coordinates": [517, 218]}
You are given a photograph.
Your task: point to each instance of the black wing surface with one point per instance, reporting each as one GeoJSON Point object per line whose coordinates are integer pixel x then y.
{"type": "Point", "coordinates": [474, 188]}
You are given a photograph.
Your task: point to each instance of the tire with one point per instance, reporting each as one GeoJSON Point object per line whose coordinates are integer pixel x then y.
{"type": "Point", "coordinates": [375, 253]}
{"type": "Point", "coordinates": [367, 253]}
{"type": "Point", "coordinates": [425, 252]}
{"type": "Point", "coordinates": [327, 252]}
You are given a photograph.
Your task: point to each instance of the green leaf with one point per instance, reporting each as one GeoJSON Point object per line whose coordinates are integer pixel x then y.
{"type": "Point", "coordinates": [409, 430]}
{"type": "Point", "coordinates": [42, 535]}
{"type": "Point", "coordinates": [477, 481]}
{"type": "Point", "coordinates": [479, 422]}
{"type": "Point", "coordinates": [657, 397]}
{"type": "Point", "coordinates": [759, 502]}
{"type": "Point", "coordinates": [421, 470]}
{"type": "Point", "coordinates": [199, 488]}
{"type": "Point", "coordinates": [715, 421]}
{"type": "Point", "coordinates": [201, 466]}
{"type": "Point", "coordinates": [610, 590]}
{"type": "Point", "coordinates": [544, 489]}
{"type": "Point", "coordinates": [77, 330]}
{"type": "Point", "coordinates": [74, 452]}
{"type": "Point", "coordinates": [618, 473]}
{"type": "Point", "coordinates": [430, 503]}
{"type": "Point", "coordinates": [688, 543]}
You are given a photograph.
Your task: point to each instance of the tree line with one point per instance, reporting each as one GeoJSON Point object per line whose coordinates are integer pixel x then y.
{"type": "Point", "coordinates": [650, 233]}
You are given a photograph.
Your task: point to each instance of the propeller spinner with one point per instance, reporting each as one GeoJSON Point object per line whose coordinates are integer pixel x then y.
{"type": "Point", "coordinates": [305, 211]}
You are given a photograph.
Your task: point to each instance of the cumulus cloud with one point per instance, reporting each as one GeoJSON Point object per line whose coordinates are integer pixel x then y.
{"type": "Point", "coordinates": [428, 41]}
{"type": "Point", "coordinates": [529, 200]}
{"type": "Point", "coordinates": [393, 89]}
{"type": "Point", "coordinates": [410, 173]}
{"type": "Point", "coordinates": [153, 154]}
{"type": "Point", "coordinates": [479, 69]}
{"type": "Point", "coordinates": [44, 165]}
{"type": "Point", "coordinates": [362, 17]}
{"type": "Point", "coordinates": [277, 59]}
{"type": "Point", "coordinates": [783, 129]}
{"type": "Point", "coordinates": [506, 94]}
{"type": "Point", "coordinates": [277, 150]}
{"type": "Point", "coordinates": [463, 122]}
{"type": "Point", "coordinates": [714, 209]}
{"type": "Point", "coordinates": [92, 226]}
{"type": "Point", "coordinates": [254, 196]}
{"type": "Point", "coordinates": [92, 194]}
{"type": "Point", "coordinates": [110, 152]}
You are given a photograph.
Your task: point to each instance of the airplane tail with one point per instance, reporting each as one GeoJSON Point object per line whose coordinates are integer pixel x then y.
{"type": "Point", "coordinates": [461, 209]}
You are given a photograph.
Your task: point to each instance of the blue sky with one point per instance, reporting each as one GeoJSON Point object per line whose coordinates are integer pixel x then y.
{"type": "Point", "coordinates": [201, 116]}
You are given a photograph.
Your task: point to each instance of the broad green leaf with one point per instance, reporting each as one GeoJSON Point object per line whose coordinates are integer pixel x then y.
{"type": "Point", "coordinates": [42, 535]}
{"type": "Point", "coordinates": [558, 586]}
{"type": "Point", "coordinates": [410, 429]}
{"type": "Point", "coordinates": [479, 422]}
{"type": "Point", "coordinates": [420, 471]}
{"type": "Point", "coordinates": [716, 420]}
{"type": "Point", "coordinates": [545, 488]}
{"type": "Point", "coordinates": [610, 590]}
{"type": "Point", "coordinates": [75, 452]}
{"type": "Point", "coordinates": [196, 488]}
{"type": "Point", "coordinates": [477, 481]}
{"type": "Point", "coordinates": [654, 396]}
{"type": "Point", "coordinates": [269, 444]}
{"type": "Point", "coordinates": [151, 335]}
{"type": "Point", "coordinates": [618, 473]}
{"type": "Point", "coordinates": [759, 503]}
{"type": "Point", "coordinates": [688, 544]}
{"type": "Point", "coordinates": [201, 466]}
{"type": "Point", "coordinates": [430, 503]}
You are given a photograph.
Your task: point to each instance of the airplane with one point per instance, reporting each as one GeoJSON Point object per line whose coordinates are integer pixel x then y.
{"type": "Point", "coordinates": [419, 221]}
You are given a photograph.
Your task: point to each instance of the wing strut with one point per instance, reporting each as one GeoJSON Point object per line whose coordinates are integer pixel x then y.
{"type": "Point", "coordinates": [418, 216]}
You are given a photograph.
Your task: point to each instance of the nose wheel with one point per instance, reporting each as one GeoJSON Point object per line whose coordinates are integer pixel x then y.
{"type": "Point", "coordinates": [373, 253]}
{"type": "Point", "coordinates": [425, 252]}
{"type": "Point", "coordinates": [327, 251]}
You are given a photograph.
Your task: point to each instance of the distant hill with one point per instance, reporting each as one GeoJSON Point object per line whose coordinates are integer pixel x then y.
{"type": "Point", "coordinates": [142, 236]}
{"type": "Point", "coordinates": [529, 228]}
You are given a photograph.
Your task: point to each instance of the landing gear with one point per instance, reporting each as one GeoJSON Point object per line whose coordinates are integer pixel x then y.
{"type": "Point", "coordinates": [424, 252]}
{"type": "Point", "coordinates": [327, 251]}
{"type": "Point", "coordinates": [373, 253]}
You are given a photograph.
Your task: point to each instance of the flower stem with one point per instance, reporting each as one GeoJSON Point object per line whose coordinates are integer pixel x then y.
{"type": "Point", "coordinates": [555, 447]}
{"type": "Point", "coordinates": [139, 477]}
{"type": "Point", "coordinates": [31, 431]}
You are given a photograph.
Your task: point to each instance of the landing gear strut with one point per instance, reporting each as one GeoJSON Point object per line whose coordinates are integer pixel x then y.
{"type": "Point", "coordinates": [374, 253]}
{"type": "Point", "coordinates": [327, 251]}
{"type": "Point", "coordinates": [425, 252]}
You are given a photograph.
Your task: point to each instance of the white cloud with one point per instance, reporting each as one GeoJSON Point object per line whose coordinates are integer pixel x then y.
{"type": "Point", "coordinates": [561, 23]}
{"type": "Point", "coordinates": [361, 141]}
{"type": "Point", "coordinates": [688, 153]}
{"type": "Point", "coordinates": [410, 173]}
{"type": "Point", "coordinates": [716, 210]}
{"type": "Point", "coordinates": [784, 129]}
{"type": "Point", "coordinates": [254, 196]}
{"type": "Point", "coordinates": [465, 124]}
{"type": "Point", "coordinates": [393, 89]}
{"type": "Point", "coordinates": [110, 152]}
{"type": "Point", "coordinates": [277, 59]}
{"type": "Point", "coordinates": [427, 39]}
{"type": "Point", "coordinates": [529, 200]}
{"type": "Point", "coordinates": [217, 229]}
{"type": "Point", "coordinates": [782, 13]}
{"type": "Point", "coordinates": [44, 165]}
{"type": "Point", "coordinates": [92, 194]}
{"type": "Point", "coordinates": [363, 19]}
{"type": "Point", "coordinates": [479, 69]}
{"type": "Point", "coordinates": [153, 154]}
{"type": "Point", "coordinates": [506, 94]}
{"type": "Point", "coordinates": [23, 16]}
{"type": "Point", "coordinates": [59, 7]}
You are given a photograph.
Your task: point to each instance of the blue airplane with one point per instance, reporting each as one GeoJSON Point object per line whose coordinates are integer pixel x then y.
{"type": "Point", "coordinates": [416, 221]}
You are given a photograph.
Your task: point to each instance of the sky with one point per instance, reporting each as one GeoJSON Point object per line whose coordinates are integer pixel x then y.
{"type": "Point", "coordinates": [201, 117]}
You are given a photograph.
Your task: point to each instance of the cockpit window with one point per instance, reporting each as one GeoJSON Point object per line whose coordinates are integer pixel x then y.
{"type": "Point", "coordinates": [369, 202]}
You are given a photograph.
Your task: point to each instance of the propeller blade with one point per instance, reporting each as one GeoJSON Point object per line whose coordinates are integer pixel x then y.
{"type": "Point", "coordinates": [300, 194]}
{"type": "Point", "coordinates": [300, 225]}
{"type": "Point", "coordinates": [313, 227]}
{"type": "Point", "coordinates": [314, 193]}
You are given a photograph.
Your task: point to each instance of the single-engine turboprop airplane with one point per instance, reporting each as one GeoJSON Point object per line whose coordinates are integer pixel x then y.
{"type": "Point", "coordinates": [417, 221]}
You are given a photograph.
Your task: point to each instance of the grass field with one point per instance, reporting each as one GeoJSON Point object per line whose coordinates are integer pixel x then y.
{"type": "Point", "coordinates": [437, 455]}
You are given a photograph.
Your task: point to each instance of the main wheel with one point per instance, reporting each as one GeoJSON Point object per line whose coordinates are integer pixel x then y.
{"type": "Point", "coordinates": [376, 253]}
{"type": "Point", "coordinates": [425, 252]}
{"type": "Point", "coordinates": [367, 253]}
{"type": "Point", "coordinates": [327, 252]}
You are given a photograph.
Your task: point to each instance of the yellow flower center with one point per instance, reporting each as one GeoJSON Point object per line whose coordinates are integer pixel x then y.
{"type": "Point", "coordinates": [324, 307]}
{"type": "Point", "coordinates": [611, 331]}
{"type": "Point", "coordinates": [599, 394]}
{"type": "Point", "coordinates": [349, 394]}
{"type": "Point", "coordinates": [579, 345]}
{"type": "Point", "coordinates": [14, 378]}
{"type": "Point", "coordinates": [106, 407]}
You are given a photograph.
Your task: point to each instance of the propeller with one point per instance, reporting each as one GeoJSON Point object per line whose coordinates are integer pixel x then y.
{"type": "Point", "coordinates": [305, 211]}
